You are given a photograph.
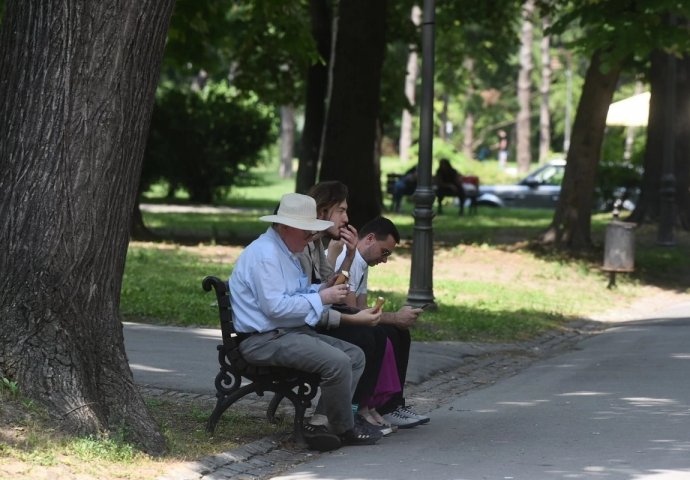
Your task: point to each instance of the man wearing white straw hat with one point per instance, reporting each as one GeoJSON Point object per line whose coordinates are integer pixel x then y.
{"type": "Point", "coordinates": [277, 308]}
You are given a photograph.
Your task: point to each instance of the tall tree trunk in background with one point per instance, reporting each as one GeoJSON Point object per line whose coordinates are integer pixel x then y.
{"type": "Point", "coordinates": [545, 89]}
{"type": "Point", "coordinates": [76, 98]}
{"type": "Point", "coordinates": [524, 86]}
{"type": "Point", "coordinates": [353, 108]}
{"type": "Point", "coordinates": [468, 124]}
{"type": "Point", "coordinates": [317, 85]}
{"type": "Point", "coordinates": [572, 220]}
{"type": "Point", "coordinates": [648, 205]}
{"type": "Point", "coordinates": [443, 120]}
{"type": "Point", "coordinates": [411, 76]}
{"type": "Point", "coordinates": [468, 134]}
{"type": "Point", "coordinates": [682, 156]}
{"type": "Point", "coordinates": [137, 228]}
{"type": "Point", "coordinates": [287, 140]}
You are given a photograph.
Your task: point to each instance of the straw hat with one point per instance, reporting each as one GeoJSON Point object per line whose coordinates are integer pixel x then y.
{"type": "Point", "coordinates": [298, 211]}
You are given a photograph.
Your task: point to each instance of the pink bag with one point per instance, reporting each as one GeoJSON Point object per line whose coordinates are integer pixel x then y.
{"type": "Point", "coordinates": [388, 383]}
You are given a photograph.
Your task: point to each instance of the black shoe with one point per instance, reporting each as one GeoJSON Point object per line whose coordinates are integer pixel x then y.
{"type": "Point", "coordinates": [319, 438]}
{"type": "Point", "coordinates": [361, 435]}
{"type": "Point", "coordinates": [384, 429]}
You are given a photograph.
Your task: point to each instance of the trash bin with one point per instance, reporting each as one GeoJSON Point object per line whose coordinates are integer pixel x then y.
{"type": "Point", "coordinates": [619, 249]}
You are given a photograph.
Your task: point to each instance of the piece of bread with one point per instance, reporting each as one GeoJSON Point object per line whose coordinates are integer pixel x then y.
{"type": "Point", "coordinates": [342, 277]}
{"type": "Point", "coordinates": [378, 304]}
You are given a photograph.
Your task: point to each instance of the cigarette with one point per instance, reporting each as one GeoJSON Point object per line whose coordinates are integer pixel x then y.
{"type": "Point", "coordinates": [342, 277]}
{"type": "Point", "coordinates": [379, 304]}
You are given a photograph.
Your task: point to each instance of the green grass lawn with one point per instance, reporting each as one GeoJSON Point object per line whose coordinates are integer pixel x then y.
{"type": "Point", "coordinates": [488, 283]}
{"type": "Point", "coordinates": [486, 288]}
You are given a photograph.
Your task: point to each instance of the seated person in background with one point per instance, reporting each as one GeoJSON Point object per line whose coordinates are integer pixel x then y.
{"type": "Point", "coordinates": [354, 327]}
{"type": "Point", "coordinates": [449, 184]}
{"type": "Point", "coordinates": [405, 185]}
{"type": "Point", "coordinates": [377, 240]}
{"type": "Point", "coordinates": [277, 308]}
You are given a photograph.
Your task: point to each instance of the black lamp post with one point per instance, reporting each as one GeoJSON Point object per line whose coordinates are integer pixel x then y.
{"type": "Point", "coordinates": [421, 278]}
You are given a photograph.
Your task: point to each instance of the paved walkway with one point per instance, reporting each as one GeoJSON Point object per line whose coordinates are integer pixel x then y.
{"type": "Point", "coordinates": [438, 372]}
{"type": "Point", "coordinates": [150, 349]}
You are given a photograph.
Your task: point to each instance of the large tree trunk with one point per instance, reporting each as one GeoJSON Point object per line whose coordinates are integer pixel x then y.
{"type": "Point", "coordinates": [648, 206]}
{"type": "Point", "coordinates": [287, 140]}
{"type": "Point", "coordinates": [353, 106]}
{"type": "Point", "coordinates": [137, 228]}
{"type": "Point", "coordinates": [75, 103]}
{"type": "Point", "coordinates": [411, 75]}
{"type": "Point", "coordinates": [682, 156]}
{"type": "Point", "coordinates": [524, 87]}
{"type": "Point", "coordinates": [545, 89]}
{"type": "Point", "coordinates": [317, 85]}
{"type": "Point", "coordinates": [571, 225]}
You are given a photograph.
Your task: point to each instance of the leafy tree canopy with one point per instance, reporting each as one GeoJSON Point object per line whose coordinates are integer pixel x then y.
{"type": "Point", "coordinates": [622, 30]}
{"type": "Point", "coordinates": [263, 46]}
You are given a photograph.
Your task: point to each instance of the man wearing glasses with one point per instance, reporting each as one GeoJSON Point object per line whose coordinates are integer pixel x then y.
{"type": "Point", "coordinates": [376, 241]}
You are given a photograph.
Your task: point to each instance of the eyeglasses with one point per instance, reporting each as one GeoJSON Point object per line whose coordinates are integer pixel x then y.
{"type": "Point", "coordinates": [309, 234]}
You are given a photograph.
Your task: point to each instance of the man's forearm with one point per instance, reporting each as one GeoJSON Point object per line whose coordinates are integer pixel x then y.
{"type": "Point", "coordinates": [390, 318]}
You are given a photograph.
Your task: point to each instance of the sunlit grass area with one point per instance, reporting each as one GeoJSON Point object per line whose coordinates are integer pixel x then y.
{"type": "Point", "coordinates": [491, 225]}
{"type": "Point", "coordinates": [38, 450]}
{"type": "Point", "coordinates": [483, 292]}
{"type": "Point", "coordinates": [488, 283]}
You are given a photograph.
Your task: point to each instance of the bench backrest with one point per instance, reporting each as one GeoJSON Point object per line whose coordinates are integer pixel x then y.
{"type": "Point", "coordinates": [471, 179]}
{"type": "Point", "coordinates": [224, 309]}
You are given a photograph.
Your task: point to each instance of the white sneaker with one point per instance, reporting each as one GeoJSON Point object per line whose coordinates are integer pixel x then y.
{"type": "Point", "coordinates": [399, 420]}
{"type": "Point", "coordinates": [408, 412]}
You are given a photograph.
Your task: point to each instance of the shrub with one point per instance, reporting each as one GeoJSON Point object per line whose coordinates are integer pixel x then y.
{"type": "Point", "coordinates": [201, 140]}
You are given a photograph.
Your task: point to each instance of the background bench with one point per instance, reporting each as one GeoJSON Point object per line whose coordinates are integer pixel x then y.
{"type": "Point", "coordinates": [470, 182]}
{"type": "Point", "coordinates": [298, 387]}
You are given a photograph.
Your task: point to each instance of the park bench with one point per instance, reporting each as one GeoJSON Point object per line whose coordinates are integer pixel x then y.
{"type": "Point", "coordinates": [297, 386]}
{"type": "Point", "coordinates": [470, 182]}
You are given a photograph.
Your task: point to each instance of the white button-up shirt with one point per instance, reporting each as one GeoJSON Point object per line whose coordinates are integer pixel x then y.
{"type": "Point", "coordinates": [269, 289]}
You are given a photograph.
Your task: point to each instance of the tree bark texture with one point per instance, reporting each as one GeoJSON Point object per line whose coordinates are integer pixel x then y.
{"type": "Point", "coordinates": [317, 85]}
{"type": "Point", "coordinates": [443, 118]}
{"type": "Point", "coordinates": [76, 97]}
{"type": "Point", "coordinates": [648, 205]}
{"type": "Point", "coordinates": [524, 87]}
{"type": "Point", "coordinates": [545, 89]}
{"type": "Point", "coordinates": [571, 225]}
{"type": "Point", "coordinates": [287, 140]}
{"type": "Point", "coordinates": [412, 73]}
{"type": "Point", "coordinates": [353, 106]}
{"type": "Point", "coordinates": [682, 143]}
{"type": "Point", "coordinates": [468, 123]}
